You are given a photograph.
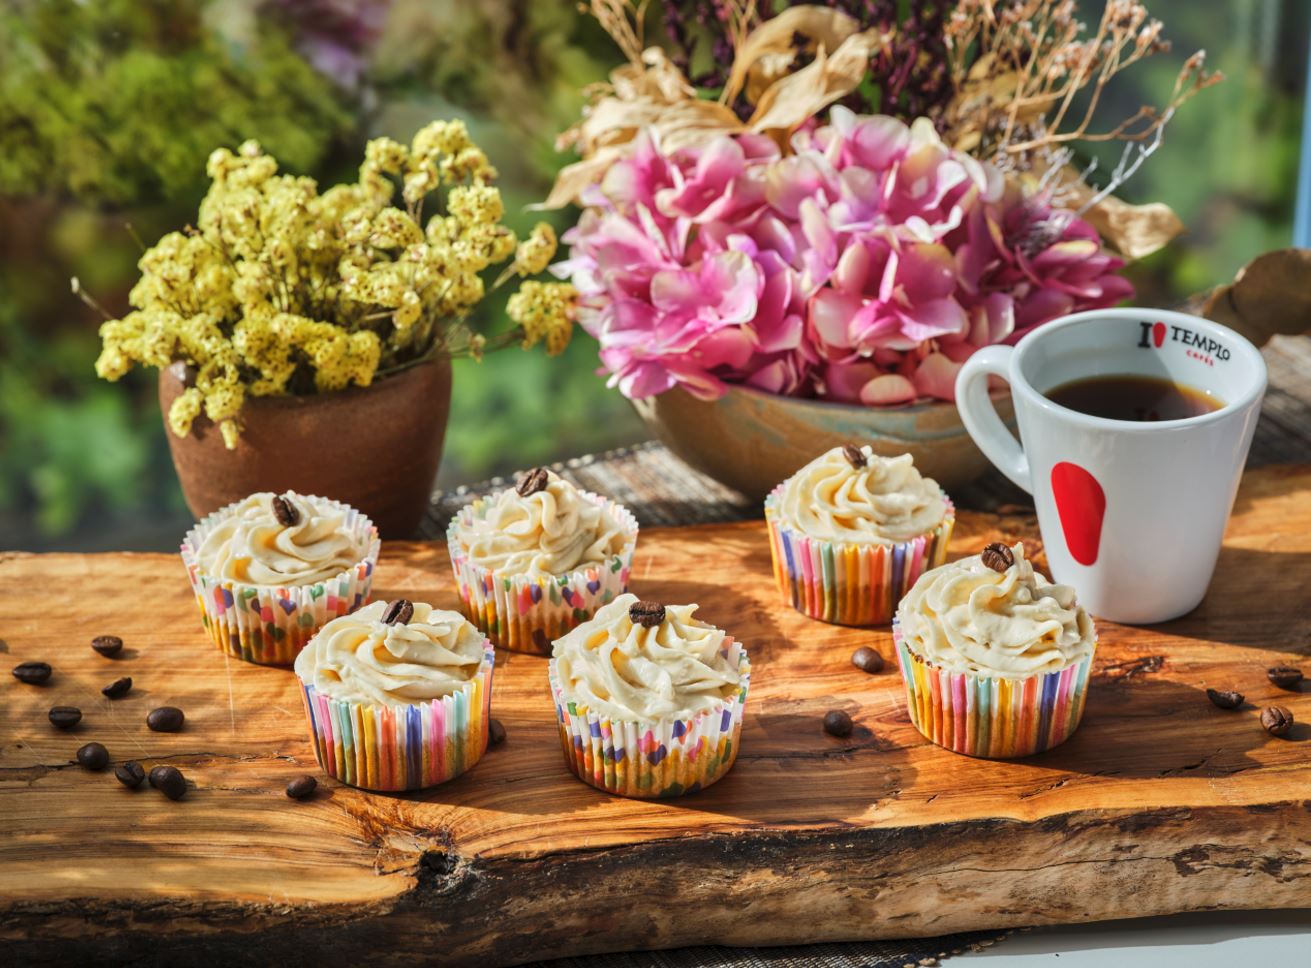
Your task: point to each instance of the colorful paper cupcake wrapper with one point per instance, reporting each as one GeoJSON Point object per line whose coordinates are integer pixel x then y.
{"type": "Point", "coordinates": [989, 716]}
{"type": "Point", "coordinates": [269, 624]}
{"type": "Point", "coordinates": [653, 758]}
{"type": "Point", "coordinates": [524, 613]}
{"type": "Point", "coordinates": [849, 584]}
{"type": "Point", "coordinates": [393, 748]}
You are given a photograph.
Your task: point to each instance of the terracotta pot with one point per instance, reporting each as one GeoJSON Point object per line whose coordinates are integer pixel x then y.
{"type": "Point", "coordinates": [752, 440]}
{"type": "Point", "coordinates": [376, 448]}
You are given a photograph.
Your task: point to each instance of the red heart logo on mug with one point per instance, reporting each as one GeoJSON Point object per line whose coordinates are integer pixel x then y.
{"type": "Point", "coordinates": [1158, 334]}
{"type": "Point", "coordinates": [1081, 505]}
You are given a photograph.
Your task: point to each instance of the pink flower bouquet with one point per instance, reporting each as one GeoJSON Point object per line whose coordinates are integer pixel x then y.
{"type": "Point", "coordinates": [865, 266]}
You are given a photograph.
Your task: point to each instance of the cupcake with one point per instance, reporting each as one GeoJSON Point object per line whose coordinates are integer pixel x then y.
{"type": "Point", "coordinates": [533, 561]}
{"type": "Point", "coordinates": [994, 656]}
{"type": "Point", "coordinates": [398, 695]}
{"type": "Point", "coordinates": [648, 699]}
{"type": "Point", "coordinates": [851, 531]}
{"type": "Point", "coordinates": [270, 571]}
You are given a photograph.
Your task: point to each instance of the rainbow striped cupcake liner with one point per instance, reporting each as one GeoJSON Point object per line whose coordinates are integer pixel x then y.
{"type": "Point", "coordinates": [392, 748]}
{"type": "Point", "coordinates": [525, 613]}
{"type": "Point", "coordinates": [270, 624]}
{"type": "Point", "coordinates": [989, 716]}
{"type": "Point", "coordinates": [849, 584]}
{"type": "Point", "coordinates": [655, 758]}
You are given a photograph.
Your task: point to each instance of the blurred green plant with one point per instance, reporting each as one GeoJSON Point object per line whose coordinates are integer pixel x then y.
{"type": "Point", "coordinates": [120, 101]}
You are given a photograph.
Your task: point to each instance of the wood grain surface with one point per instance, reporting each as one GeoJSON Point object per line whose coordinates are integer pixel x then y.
{"type": "Point", "coordinates": [1160, 803]}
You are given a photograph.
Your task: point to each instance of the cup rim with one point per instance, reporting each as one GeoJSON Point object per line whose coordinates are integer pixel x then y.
{"type": "Point", "coordinates": [1240, 403]}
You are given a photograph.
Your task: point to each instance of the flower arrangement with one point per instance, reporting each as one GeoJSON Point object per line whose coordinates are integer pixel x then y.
{"type": "Point", "coordinates": [279, 289]}
{"type": "Point", "coordinates": [765, 234]}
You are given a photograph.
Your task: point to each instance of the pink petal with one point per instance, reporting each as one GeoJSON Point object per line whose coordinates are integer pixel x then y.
{"type": "Point", "coordinates": [936, 377]}
{"type": "Point", "coordinates": [887, 390]}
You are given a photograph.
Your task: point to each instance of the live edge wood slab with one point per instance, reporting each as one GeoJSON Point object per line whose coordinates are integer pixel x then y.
{"type": "Point", "coordinates": [1161, 802]}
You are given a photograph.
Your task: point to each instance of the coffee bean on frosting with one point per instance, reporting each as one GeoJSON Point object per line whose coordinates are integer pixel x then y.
{"type": "Point", "coordinates": [854, 455]}
{"type": "Point", "coordinates": [647, 614]}
{"type": "Point", "coordinates": [32, 673]}
{"type": "Point", "coordinates": [165, 719]}
{"type": "Point", "coordinates": [398, 612]}
{"type": "Point", "coordinates": [107, 645]}
{"type": "Point", "coordinates": [535, 480]}
{"type": "Point", "coordinates": [284, 511]}
{"type": "Point", "coordinates": [998, 557]}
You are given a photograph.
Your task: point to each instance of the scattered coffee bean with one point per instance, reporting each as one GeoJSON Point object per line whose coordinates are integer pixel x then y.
{"type": "Point", "coordinates": [867, 660]}
{"type": "Point", "coordinates": [1285, 677]}
{"type": "Point", "coordinates": [130, 774]}
{"type": "Point", "coordinates": [32, 673]}
{"type": "Point", "coordinates": [535, 480]}
{"type": "Point", "coordinates": [837, 723]}
{"type": "Point", "coordinates": [854, 455]}
{"type": "Point", "coordinates": [117, 688]}
{"type": "Point", "coordinates": [165, 719]}
{"type": "Point", "coordinates": [495, 732]}
{"type": "Point", "coordinates": [647, 614]}
{"type": "Point", "coordinates": [65, 717]}
{"type": "Point", "coordinates": [398, 612]}
{"type": "Point", "coordinates": [1276, 720]}
{"type": "Point", "coordinates": [302, 787]}
{"type": "Point", "coordinates": [107, 645]}
{"type": "Point", "coordinates": [997, 556]}
{"type": "Point", "coordinates": [1225, 700]}
{"type": "Point", "coordinates": [93, 756]}
{"type": "Point", "coordinates": [284, 511]}
{"type": "Point", "coordinates": [169, 781]}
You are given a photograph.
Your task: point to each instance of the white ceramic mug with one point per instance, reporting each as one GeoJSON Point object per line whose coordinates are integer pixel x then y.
{"type": "Point", "coordinates": [1132, 513]}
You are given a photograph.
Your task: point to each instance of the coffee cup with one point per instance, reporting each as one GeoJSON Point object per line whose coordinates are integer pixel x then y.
{"type": "Point", "coordinates": [1132, 512]}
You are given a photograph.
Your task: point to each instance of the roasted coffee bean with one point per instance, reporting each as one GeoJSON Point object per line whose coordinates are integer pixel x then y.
{"type": "Point", "coordinates": [1276, 720]}
{"type": "Point", "coordinates": [169, 781]}
{"type": "Point", "coordinates": [997, 556]}
{"type": "Point", "coordinates": [130, 774]}
{"type": "Point", "coordinates": [495, 732]}
{"type": "Point", "coordinates": [854, 455]}
{"type": "Point", "coordinates": [107, 645]}
{"type": "Point", "coordinates": [65, 717]}
{"type": "Point", "coordinates": [867, 660]}
{"type": "Point", "coordinates": [302, 787]}
{"type": "Point", "coordinates": [398, 612]}
{"type": "Point", "coordinates": [284, 511]}
{"type": "Point", "coordinates": [1285, 677]}
{"type": "Point", "coordinates": [165, 719]}
{"type": "Point", "coordinates": [33, 673]}
{"type": "Point", "coordinates": [93, 756]}
{"type": "Point", "coordinates": [1225, 700]}
{"type": "Point", "coordinates": [649, 614]}
{"type": "Point", "coordinates": [837, 723]}
{"type": "Point", "coordinates": [532, 482]}
{"type": "Point", "coordinates": [118, 688]}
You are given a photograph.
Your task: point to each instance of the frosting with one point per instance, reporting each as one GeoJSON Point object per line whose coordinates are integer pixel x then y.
{"type": "Point", "coordinates": [250, 545]}
{"type": "Point", "coordinates": [628, 671]}
{"type": "Point", "coordinates": [359, 658]}
{"type": "Point", "coordinates": [551, 532]}
{"type": "Point", "coordinates": [880, 503]}
{"type": "Point", "coordinates": [965, 617]}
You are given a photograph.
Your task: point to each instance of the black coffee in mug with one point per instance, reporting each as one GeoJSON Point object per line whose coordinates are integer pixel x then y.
{"type": "Point", "coordinates": [1134, 398]}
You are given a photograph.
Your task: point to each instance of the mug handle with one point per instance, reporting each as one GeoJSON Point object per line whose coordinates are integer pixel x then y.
{"type": "Point", "coordinates": [980, 416]}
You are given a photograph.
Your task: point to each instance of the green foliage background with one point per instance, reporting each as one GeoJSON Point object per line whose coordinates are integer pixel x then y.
{"type": "Point", "coordinates": [109, 109]}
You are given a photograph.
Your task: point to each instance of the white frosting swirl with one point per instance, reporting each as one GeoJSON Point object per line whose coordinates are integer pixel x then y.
{"type": "Point", "coordinates": [250, 545]}
{"type": "Point", "coordinates": [965, 617]}
{"type": "Point", "coordinates": [358, 658]}
{"type": "Point", "coordinates": [627, 671]}
{"type": "Point", "coordinates": [883, 502]}
{"type": "Point", "coordinates": [552, 532]}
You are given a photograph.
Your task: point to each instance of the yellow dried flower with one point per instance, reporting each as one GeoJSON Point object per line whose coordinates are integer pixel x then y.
{"type": "Point", "coordinates": [536, 252]}
{"type": "Point", "coordinates": [545, 311]}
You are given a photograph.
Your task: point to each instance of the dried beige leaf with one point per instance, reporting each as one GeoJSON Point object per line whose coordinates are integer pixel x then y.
{"type": "Point", "coordinates": [1269, 297]}
{"type": "Point", "coordinates": [1133, 231]}
{"type": "Point", "coordinates": [802, 95]}
{"type": "Point", "coordinates": [826, 27]}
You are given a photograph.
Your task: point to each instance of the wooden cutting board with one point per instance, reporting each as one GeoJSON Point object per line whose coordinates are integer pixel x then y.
{"type": "Point", "coordinates": [1160, 803]}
